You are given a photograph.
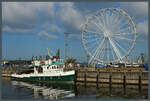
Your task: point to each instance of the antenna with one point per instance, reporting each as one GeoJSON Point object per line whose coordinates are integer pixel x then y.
{"type": "Point", "coordinates": [66, 46]}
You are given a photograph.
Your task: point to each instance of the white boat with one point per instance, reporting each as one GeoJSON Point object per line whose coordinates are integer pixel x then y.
{"type": "Point", "coordinates": [50, 70]}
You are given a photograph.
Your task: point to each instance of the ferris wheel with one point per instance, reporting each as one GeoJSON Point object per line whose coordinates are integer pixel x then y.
{"type": "Point", "coordinates": [109, 35]}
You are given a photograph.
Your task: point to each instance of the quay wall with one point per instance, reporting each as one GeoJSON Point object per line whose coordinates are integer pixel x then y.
{"type": "Point", "coordinates": [112, 77]}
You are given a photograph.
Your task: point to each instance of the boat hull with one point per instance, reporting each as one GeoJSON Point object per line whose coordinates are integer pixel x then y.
{"type": "Point", "coordinates": [59, 79]}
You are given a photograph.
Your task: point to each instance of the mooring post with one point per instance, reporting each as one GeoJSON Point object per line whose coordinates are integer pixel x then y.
{"type": "Point", "coordinates": [75, 88]}
{"type": "Point", "coordinates": [110, 83]}
{"type": "Point", "coordinates": [76, 75]}
{"type": "Point", "coordinates": [85, 79]}
{"type": "Point", "coordinates": [110, 80]}
{"type": "Point", "coordinates": [97, 77]}
{"type": "Point", "coordinates": [124, 81]}
{"type": "Point", "coordinates": [140, 83]}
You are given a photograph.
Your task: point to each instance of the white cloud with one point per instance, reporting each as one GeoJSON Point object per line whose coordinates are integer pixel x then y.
{"type": "Point", "coordinates": [17, 14]}
{"type": "Point", "coordinates": [137, 10]}
{"type": "Point", "coordinates": [55, 28]}
{"type": "Point", "coordinates": [43, 35]}
{"type": "Point", "coordinates": [64, 4]}
{"type": "Point", "coordinates": [142, 28]}
{"type": "Point", "coordinates": [47, 9]}
{"type": "Point", "coordinates": [75, 36]}
{"type": "Point", "coordinates": [70, 17]}
{"type": "Point", "coordinates": [26, 15]}
{"type": "Point", "coordinates": [17, 30]}
{"type": "Point", "coordinates": [52, 27]}
{"type": "Point", "coordinates": [22, 17]}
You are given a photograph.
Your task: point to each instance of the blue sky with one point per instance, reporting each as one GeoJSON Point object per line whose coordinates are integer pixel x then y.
{"type": "Point", "coordinates": [31, 27]}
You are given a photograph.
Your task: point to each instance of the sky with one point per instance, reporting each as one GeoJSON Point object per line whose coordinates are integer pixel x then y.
{"type": "Point", "coordinates": [29, 28]}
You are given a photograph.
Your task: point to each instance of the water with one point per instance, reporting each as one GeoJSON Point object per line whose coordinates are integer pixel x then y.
{"type": "Point", "coordinates": [33, 90]}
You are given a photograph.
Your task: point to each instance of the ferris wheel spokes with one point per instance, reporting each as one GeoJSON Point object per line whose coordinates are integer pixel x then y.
{"type": "Point", "coordinates": [125, 51]}
{"type": "Point", "coordinates": [123, 30]}
{"type": "Point", "coordinates": [95, 54]}
{"type": "Point", "coordinates": [122, 38]}
{"type": "Point", "coordinates": [122, 34]}
{"type": "Point", "coordinates": [115, 49]}
{"type": "Point", "coordinates": [102, 27]}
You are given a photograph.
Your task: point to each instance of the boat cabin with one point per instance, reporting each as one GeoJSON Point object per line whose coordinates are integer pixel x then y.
{"type": "Point", "coordinates": [48, 66]}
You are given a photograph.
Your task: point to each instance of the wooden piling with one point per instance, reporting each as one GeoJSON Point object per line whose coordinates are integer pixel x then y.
{"type": "Point", "coordinates": [76, 75]}
{"type": "Point", "coordinates": [140, 83]}
{"type": "Point", "coordinates": [124, 81]}
{"type": "Point", "coordinates": [97, 77]}
{"type": "Point", "coordinates": [110, 81]}
{"type": "Point", "coordinates": [76, 89]}
{"type": "Point", "coordinates": [85, 79]}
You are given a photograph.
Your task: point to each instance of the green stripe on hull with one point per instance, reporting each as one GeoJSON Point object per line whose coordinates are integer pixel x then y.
{"type": "Point", "coordinates": [69, 78]}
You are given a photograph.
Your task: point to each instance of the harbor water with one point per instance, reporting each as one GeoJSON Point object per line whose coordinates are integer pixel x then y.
{"type": "Point", "coordinates": [35, 90]}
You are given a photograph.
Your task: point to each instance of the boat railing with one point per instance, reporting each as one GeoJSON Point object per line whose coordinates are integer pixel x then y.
{"type": "Point", "coordinates": [60, 60]}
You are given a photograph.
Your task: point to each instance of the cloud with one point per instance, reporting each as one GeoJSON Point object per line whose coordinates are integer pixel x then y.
{"type": "Point", "coordinates": [28, 17]}
{"type": "Point", "coordinates": [17, 30]}
{"type": "Point", "coordinates": [137, 10]}
{"type": "Point", "coordinates": [142, 29]}
{"type": "Point", "coordinates": [43, 35]}
{"type": "Point", "coordinates": [52, 27]}
{"type": "Point", "coordinates": [17, 14]}
{"type": "Point", "coordinates": [70, 17]}
{"type": "Point", "coordinates": [25, 15]}
{"type": "Point", "coordinates": [75, 36]}
{"type": "Point", "coordinates": [47, 9]}
{"type": "Point", "coordinates": [55, 28]}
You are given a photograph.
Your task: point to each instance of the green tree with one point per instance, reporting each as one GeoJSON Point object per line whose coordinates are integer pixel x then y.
{"type": "Point", "coordinates": [70, 60]}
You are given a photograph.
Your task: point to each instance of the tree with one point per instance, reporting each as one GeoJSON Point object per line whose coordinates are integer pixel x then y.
{"type": "Point", "coordinates": [70, 60]}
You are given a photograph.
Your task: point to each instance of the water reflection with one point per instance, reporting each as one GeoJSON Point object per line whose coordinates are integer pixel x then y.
{"type": "Point", "coordinates": [38, 90]}
{"type": "Point", "coordinates": [113, 91]}
{"type": "Point", "coordinates": [47, 90]}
